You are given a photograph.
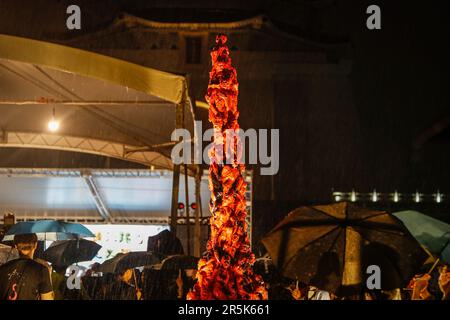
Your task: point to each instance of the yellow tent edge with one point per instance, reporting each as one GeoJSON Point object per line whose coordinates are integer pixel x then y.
{"type": "Point", "coordinates": [164, 85]}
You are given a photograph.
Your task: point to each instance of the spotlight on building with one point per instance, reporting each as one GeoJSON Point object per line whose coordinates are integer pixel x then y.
{"type": "Point", "coordinates": [337, 196]}
{"type": "Point", "coordinates": [353, 196]}
{"type": "Point", "coordinates": [438, 197]}
{"type": "Point", "coordinates": [417, 197]}
{"type": "Point", "coordinates": [374, 196]}
{"type": "Point", "coordinates": [396, 196]}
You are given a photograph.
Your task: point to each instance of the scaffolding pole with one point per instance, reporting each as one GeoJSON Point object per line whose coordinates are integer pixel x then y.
{"type": "Point", "coordinates": [198, 230]}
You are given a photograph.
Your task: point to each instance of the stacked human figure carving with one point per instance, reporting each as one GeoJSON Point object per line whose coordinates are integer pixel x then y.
{"type": "Point", "coordinates": [225, 271]}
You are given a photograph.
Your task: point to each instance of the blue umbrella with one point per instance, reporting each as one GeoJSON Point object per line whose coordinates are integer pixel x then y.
{"type": "Point", "coordinates": [50, 230]}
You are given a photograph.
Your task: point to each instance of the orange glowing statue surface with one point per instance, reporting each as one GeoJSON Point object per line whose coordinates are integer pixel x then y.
{"type": "Point", "coordinates": [225, 272]}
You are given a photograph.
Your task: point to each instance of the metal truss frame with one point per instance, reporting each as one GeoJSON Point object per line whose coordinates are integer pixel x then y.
{"type": "Point", "coordinates": [105, 217]}
{"type": "Point", "coordinates": [84, 145]}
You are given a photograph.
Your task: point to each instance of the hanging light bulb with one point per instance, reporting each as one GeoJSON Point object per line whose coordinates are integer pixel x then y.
{"type": "Point", "coordinates": [53, 124]}
{"type": "Point", "coordinates": [438, 197]}
{"type": "Point", "coordinates": [417, 197]}
{"type": "Point", "coordinates": [374, 195]}
{"type": "Point", "coordinates": [396, 196]}
{"type": "Point", "coordinates": [353, 196]}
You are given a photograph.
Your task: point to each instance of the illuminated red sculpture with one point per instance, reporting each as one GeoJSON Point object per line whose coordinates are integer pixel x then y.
{"type": "Point", "coordinates": [225, 272]}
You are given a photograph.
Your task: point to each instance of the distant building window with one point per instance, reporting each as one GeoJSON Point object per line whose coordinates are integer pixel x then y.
{"type": "Point", "coordinates": [193, 50]}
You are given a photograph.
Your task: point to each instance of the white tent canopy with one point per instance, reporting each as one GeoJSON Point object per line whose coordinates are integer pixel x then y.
{"type": "Point", "coordinates": [129, 196]}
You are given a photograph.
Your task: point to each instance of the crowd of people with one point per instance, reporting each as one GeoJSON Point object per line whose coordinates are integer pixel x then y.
{"type": "Point", "coordinates": [434, 286]}
{"type": "Point", "coordinates": [29, 278]}
{"type": "Point", "coordinates": [431, 283]}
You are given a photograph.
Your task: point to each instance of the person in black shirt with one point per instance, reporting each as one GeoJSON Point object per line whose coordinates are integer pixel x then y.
{"type": "Point", "coordinates": [24, 278]}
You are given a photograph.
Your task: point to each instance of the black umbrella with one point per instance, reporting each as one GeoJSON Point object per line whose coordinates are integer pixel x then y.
{"type": "Point", "coordinates": [124, 261]}
{"type": "Point", "coordinates": [331, 246]}
{"type": "Point", "coordinates": [67, 252]}
{"type": "Point", "coordinates": [177, 262]}
{"type": "Point", "coordinates": [165, 242]}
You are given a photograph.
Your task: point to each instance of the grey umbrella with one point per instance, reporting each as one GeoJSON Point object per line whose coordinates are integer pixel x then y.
{"type": "Point", "coordinates": [433, 234]}
{"type": "Point", "coordinates": [7, 253]}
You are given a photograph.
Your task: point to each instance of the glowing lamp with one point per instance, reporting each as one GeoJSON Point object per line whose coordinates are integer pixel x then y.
{"type": "Point", "coordinates": [53, 124]}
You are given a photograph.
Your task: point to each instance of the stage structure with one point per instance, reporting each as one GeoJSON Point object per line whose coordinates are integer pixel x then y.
{"type": "Point", "coordinates": [225, 272]}
{"type": "Point", "coordinates": [108, 107]}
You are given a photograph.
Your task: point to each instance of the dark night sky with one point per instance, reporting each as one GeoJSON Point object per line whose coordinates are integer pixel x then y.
{"type": "Point", "coordinates": [400, 83]}
{"type": "Point", "coordinates": [400, 74]}
{"type": "Point", "coordinates": [401, 80]}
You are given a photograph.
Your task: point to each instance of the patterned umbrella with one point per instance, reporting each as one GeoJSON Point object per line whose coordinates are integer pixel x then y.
{"type": "Point", "coordinates": [330, 246]}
